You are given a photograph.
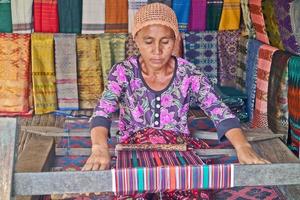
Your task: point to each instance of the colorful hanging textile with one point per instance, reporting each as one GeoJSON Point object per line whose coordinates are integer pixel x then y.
{"type": "Point", "coordinates": [264, 61]}
{"type": "Point", "coordinates": [227, 54]}
{"type": "Point", "coordinates": [271, 24]}
{"type": "Point", "coordinates": [133, 6]}
{"type": "Point", "coordinates": [66, 71]}
{"type": "Point", "coordinates": [112, 51]}
{"type": "Point", "coordinates": [213, 14]}
{"type": "Point", "coordinates": [131, 47]}
{"type": "Point", "coordinates": [182, 10]}
{"type": "Point", "coordinates": [93, 16]}
{"type": "Point", "coordinates": [116, 16]}
{"type": "Point", "coordinates": [167, 2]}
{"type": "Point", "coordinates": [241, 65]}
{"type": "Point", "coordinates": [231, 10]}
{"type": "Point", "coordinates": [201, 50]}
{"type": "Point", "coordinates": [70, 16]}
{"type": "Point", "coordinates": [43, 73]}
{"type": "Point", "coordinates": [293, 102]}
{"type": "Point", "coordinates": [197, 20]}
{"type": "Point", "coordinates": [90, 82]}
{"type": "Point", "coordinates": [14, 74]}
{"type": "Point", "coordinates": [21, 11]}
{"type": "Point", "coordinates": [251, 74]}
{"type": "Point", "coordinates": [45, 14]}
{"type": "Point", "coordinates": [277, 93]}
{"type": "Point", "coordinates": [295, 16]}
{"type": "Point", "coordinates": [5, 16]}
{"type": "Point", "coordinates": [258, 21]}
{"type": "Point", "coordinates": [247, 20]}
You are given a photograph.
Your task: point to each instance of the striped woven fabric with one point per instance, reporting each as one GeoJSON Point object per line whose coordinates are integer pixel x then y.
{"type": "Point", "coordinates": [293, 102]}
{"type": "Point", "coordinates": [197, 21]}
{"type": "Point", "coordinates": [45, 14]}
{"type": "Point", "coordinates": [167, 2]}
{"type": "Point", "coordinates": [116, 16]}
{"type": "Point", "coordinates": [231, 10]}
{"type": "Point", "coordinates": [89, 70]}
{"type": "Point", "coordinates": [182, 10]}
{"type": "Point", "coordinates": [277, 91]}
{"type": "Point", "coordinates": [14, 74]}
{"type": "Point", "coordinates": [66, 71]}
{"type": "Point", "coordinates": [21, 13]}
{"type": "Point", "coordinates": [295, 16]}
{"type": "Point", "coordinates": [227, 53]}
{"type": "Point", "coordinates": [93, 16]}
{"type": "Point", "coordinates": [247, 20]}
{"type": "Point", "coordinates": [43, 73]}
{"type": "Point", "coordinates": [213, 14]}
{"type": "Point", "coordinates": [70, 16]}
{"type": "Point", "coordinates": [258, 21]}
{"type": "Point", "coordinates": [133, 6]}
{"type": "Point", "coordinates": [5, 16]}
{"type": "Point", "coordinates": [265, 54]}
{"type": "Point", "coordinates": [241, 65]}
{"type": "Point", "coordinates": [201, 50]}
{"type": "Point", "coordinates": [271, 24]}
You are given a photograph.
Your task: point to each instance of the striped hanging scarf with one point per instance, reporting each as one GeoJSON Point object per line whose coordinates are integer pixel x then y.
{"type": "Point", "coordinates": [213, 14]}
{"type": "Point", "coordinates": [131, 47]}
{"type": "Point", "coordinates": [43, 73]}
{"type": "Point", "coordinates": [265, 54]}
{"type": "Point", "coordinates": [90, 82]}
{"type": "Point", "coordinates": [66, 71]}
{"type": "Point", "coordinates": [133, 6]}
{"type": "Point", "coordinates": [227, 54]}
{"type": "Point", "coordinates": [258, 21]}
{"type": "Point", "coordinates": [293, 102]}
{"type": "Point", "coordinates": [201, 50]}
{"type": "Point", "coordinates": [167, 2]}
{"type": "Point", "coordinates": [112, 51]}
{"type": "Point", "coordinates": [197, 21]}
{"type": "Point", "coordinates": [251, 71]}
{"type": "Point", "coordinates": [5, 16]}
{"type": "Point", "coordinates": [295, 16]}
{"type": "Point", "coordinates": [70, 16]}
{"type": "Point", "coordinates": [21, 11]}
{"type": "Point", "coordinates": [241, 65]}
{"type": "Point", "coordinates": [116, 16]}
{"type": "Point", "coordinates": [93, 16]}
{"type": "Point", "coordinates": [271, 24]}
{"type": "Point", "coordinates": [14, 74]}
{"type": "Point", "coordinates": [231, 10]}
{"type": "Point", "coordinates": [277, 91]}
{"type": "Point", "coordinates": [247, 20]}
{"type": "Point", "coordinates": [282, 11]}
{"type": "Point", "coordinates": [182, 10]}
{"type": "Point", "coordinates": [45, 14]}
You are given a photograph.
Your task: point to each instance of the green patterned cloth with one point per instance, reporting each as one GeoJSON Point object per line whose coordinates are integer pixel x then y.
{"type": "Point", "coordinates": [5, 16]}
{"type": "Point", "coordinates": [70, 16]}
{"type": "Point", "coordinates": [213, 14]}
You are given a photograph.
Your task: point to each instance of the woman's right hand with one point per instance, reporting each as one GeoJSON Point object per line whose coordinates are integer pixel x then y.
{"type": "Point", "coordinates": [99, 159]}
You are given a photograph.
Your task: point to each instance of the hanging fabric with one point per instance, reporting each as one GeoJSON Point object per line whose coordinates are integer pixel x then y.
{"type": "Point", "coordinates": [43, 73]}
{"type": "Point", "coordinates": [45, 14]}
{"type": "Point", "coordinates": [131, 47]}
{"type": "Point", "coordinates": [70, 16]}
{"type": "Point", "coordinates": [250, 31]}
{"type": "Point", "coordinates": [167, 2]}
{"type": "Point", "coordinates": [93, 16]}
{"type": "Point", "coordinates": [231, 14]}
{"type": "Point", "coordinates": [227, 54]}
{"type": "Point", "coordinates": [182, 11]}
{"type": "Point", "coordinates": [21, 11]}
{"type": "Point", "coordinates": [66, 71]}
{"type": "Point", "coordinates": [133, 6]}
{"type": "Point", "coordinates": [295, 16]}
{"type": "Point", "coordinates": [116, 16]}
{"type": "Point", "coordinates": [241, 65]}
{"type": "Point", "coordinates": [197, 20]}
{"type": "Point", "coordinates": [213, 14]}
{"type": "Point", "coordinates": [5, 16]}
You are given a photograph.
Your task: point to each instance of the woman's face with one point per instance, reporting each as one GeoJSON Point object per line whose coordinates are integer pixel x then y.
{"type": "Point", "coordinates": [156, 43]}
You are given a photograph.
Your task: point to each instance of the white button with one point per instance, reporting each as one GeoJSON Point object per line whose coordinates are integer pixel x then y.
{"type": "Point", "coordinates": [157, 106]}
{"type": "Point", "coordinates": [158, 98]}
{"type": "Point", "coordinates": [156, 122]}
{"type": "Point", "coordinates": [156, 115]}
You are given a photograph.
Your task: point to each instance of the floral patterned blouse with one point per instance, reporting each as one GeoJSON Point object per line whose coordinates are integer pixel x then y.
{"type": "Point", "coordinates": [167, 109]}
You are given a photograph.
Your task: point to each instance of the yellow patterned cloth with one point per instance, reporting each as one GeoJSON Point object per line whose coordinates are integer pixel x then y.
{"type": "Point", "coordinates": [231, 10]}
{"type": "Point", "coordinates": [43, 73]}
{"type": "Point", "coordinates": [14, 74]}
{"type": "Point", "coordinates": [90, 82]}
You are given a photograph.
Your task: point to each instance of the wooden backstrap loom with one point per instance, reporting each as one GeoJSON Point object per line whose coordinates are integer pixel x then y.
{"type": "Point", "coordinates": [42, 183]}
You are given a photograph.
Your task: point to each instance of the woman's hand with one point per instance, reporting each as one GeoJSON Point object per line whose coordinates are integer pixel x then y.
{"type": "Point", "coordinates": [247, 155]}
{"type": "Point", "coordinates": [99, 159]}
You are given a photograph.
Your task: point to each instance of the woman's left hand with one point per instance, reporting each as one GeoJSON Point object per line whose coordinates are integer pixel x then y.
{"type": "Point", "coordinates": [247, 155]}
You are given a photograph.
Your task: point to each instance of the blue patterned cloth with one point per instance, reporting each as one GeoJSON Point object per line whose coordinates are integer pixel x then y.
{"type": "Point", "coordinates": [182, 10]}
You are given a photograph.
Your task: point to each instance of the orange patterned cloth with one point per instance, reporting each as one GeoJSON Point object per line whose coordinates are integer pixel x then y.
{"type": "Point", "coordinates": [116, 16]}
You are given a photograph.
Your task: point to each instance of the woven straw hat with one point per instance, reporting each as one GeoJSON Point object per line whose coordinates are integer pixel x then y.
{"type": "Point", "coordinates": [155, 13]}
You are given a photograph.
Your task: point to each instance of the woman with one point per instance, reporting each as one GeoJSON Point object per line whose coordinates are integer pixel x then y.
{"type": "Point", "coordinates": [155, 90]}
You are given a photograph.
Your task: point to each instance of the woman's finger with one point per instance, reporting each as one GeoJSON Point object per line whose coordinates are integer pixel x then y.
{"type": "Point", "coordinates": [96, 166]}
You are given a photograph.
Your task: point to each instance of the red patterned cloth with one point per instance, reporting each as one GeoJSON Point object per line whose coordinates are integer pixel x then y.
{"type": "Point", "coordinates": [45, 16]}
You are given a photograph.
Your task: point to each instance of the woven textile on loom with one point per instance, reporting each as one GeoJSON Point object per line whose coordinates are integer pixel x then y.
{"type": "Point", "coordinates": [116, 16]}
{"type": "Point", "coordinates": [14, 74]}
{"type": "Point", "coordinates": [231, 10]}
{"type": "Point", "coordinates": [213, 14]}
{"type": "Point", "coordinates": [182, 11]}
{"type": "Point", "coordinates": [43, 73]}
{"type": "Point", "coordinates": [5, 16]}
{"type": "Point", "coordinates": [277, 93]}
{"type": "Point", "coordinates": [197, 20]}
{"type": "Point", "coordinates": [70, 14]}
{"type": "Point", "coordinates": [45, 16]}
{"type": "Point", "coordinates": [293, 102]}
{"type": "Point", "coordinates": [66, 71]}
{"type": "Point", "coordinates": [21, 13]}
{"type": "Point", "coordinates": [250, 31]}
{"type": "Point", "coordinates": [89, 70]}
{"type": "Point", "coordinates": [93, 16]}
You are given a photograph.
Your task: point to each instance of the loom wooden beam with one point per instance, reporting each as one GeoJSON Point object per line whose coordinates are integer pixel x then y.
{"type": "Point", "coordinates": [54, 131]}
